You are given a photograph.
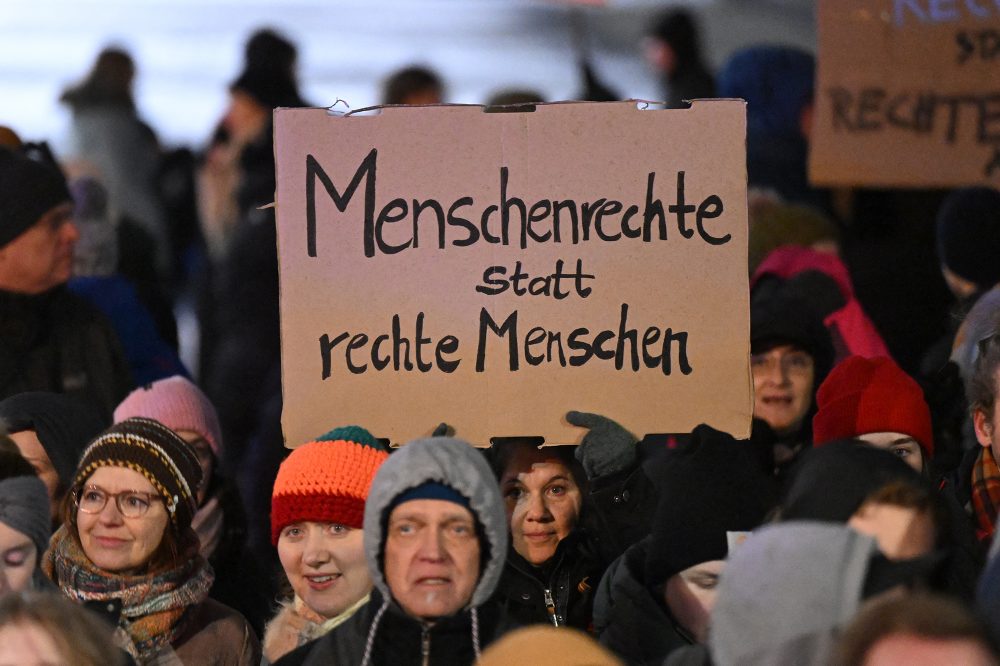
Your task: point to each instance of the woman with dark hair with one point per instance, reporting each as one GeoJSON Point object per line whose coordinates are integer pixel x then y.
{"type": "Point", "coordinates": [127, 547]}
{"type": "Point", "coordinates": [552, 566]}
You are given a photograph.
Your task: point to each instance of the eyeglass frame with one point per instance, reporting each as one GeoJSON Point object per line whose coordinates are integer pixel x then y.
{"type": "Point", "coordinates": [766, 361]}
{"type": "Point", "coordinates": [149, 498]}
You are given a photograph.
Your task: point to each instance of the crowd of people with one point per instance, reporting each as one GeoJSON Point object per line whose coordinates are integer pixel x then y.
{"type": "Point", "coordinates": [150, 513]}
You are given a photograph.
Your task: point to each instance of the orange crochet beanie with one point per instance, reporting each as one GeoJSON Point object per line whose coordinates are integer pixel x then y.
{"type": "Point", "coordinates": [327, 480]}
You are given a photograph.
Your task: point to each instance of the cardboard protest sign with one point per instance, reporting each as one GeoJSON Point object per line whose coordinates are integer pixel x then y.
{"type": "Point", "coordinates": [907, 93]}
{"type": "Point", "coordinates": [496, 270]}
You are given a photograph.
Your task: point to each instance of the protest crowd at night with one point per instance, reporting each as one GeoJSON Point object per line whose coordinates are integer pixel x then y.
{"type": "Point", "coordinates": [597, 381]}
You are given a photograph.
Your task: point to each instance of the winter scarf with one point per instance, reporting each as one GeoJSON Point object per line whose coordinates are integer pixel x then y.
{"type": "Point", "coordinates": [985, 493]}
{"type": "Point", "coordinates": [153, 605]}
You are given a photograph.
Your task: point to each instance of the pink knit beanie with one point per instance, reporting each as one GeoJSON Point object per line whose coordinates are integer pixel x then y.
{"type": "Point", "coordinates": [176, 403]}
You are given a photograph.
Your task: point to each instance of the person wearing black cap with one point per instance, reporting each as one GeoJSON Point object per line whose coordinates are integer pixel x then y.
{"type": "Point", "coordinates": [790, 354]}
{"type": "Point", "coordinates": [658, 596]}
{"type": "Point", "coordinates": [435, 540]}
{"type": "Point", "coordinates": [50, 339]}
{"type": "Point", "coordinates": [51, 431]}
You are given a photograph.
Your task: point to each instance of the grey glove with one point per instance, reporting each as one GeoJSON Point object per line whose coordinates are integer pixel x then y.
{"type": "Point", "coordinates": [608, 448]}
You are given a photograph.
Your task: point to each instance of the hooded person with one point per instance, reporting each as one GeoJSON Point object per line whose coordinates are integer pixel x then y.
{"type": "Point", "coordinates": [873, 400]}
{"type": "Point", "coordinates": [658, 596]}
{"type": "Point", "coordinates": [317, 511]}
{"type": "Point", "coordinates": [219, 521]}
{"type": "Point", "coordinates": [51, 431]}
{"type": "Point", "coordinates": [791, 588]}
{"type": "Point", "coordinates": [790, 354]}
{"type": "Point", "coordinates": [435, 540]}
{"type": "Point", "coordinates": [25, 524]}
{"type": "Point", "coordinates": [851, 330]}
{"type": "Point", "coordinates": [50, 338]}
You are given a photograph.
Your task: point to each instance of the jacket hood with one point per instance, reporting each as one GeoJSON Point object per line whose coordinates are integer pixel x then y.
{"type": "Point", "coordinates": [786, 591]}
{"type": "Point", "coordinates": [454, 463]}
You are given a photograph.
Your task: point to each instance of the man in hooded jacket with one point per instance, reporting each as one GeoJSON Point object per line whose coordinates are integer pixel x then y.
{"type": "Point", "coordinates": [435, 541]}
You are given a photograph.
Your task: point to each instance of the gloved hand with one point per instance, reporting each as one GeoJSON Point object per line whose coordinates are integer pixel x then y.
{"type": "Point", "coordinates": [443, 430]}
{"type": "Point", "coordinates": [608, 447]}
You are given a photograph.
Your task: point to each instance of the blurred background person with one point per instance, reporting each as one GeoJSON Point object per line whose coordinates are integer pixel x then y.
{"type": "Point", "coordinates": [44, 629]}
{"type": "Point", "coordinates": [673, 48]}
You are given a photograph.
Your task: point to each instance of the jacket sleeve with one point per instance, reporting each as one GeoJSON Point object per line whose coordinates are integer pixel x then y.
{"type": "Point", "coordinates": [619, 511]}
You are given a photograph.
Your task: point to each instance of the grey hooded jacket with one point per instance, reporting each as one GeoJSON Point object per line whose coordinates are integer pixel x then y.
{"type": "Point", "coordinates": [380, 632]}
{"type": "Point", "coordinates": [787, 592]}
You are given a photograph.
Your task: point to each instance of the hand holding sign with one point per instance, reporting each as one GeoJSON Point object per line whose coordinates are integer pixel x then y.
{"type": "Point", "coordinates": [608, 447]}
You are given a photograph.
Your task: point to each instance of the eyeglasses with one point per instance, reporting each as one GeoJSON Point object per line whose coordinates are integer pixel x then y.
{"type": "Point", "coordinates": [791, 363]}
{"type": "Point", "coordinates": [130, 503]}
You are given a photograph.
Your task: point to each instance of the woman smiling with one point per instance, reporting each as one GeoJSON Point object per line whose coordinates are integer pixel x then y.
{"type": "Point", "coordinates": [126, 547]}
{"type": "Point", "coordinates": [316, 513]}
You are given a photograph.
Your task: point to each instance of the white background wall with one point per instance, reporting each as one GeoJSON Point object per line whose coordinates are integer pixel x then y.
{"type": "Point", "coordinates": [189, 50]}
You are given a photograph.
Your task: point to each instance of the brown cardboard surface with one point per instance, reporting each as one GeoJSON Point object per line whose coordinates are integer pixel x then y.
{"type": "Point", "coordinates": [907, 93]}
{"type": "Point", "coordinates": [456, 156]}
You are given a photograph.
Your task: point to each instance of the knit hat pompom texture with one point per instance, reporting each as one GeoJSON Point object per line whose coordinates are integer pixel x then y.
{"type": "Point", "coordinates": [864, 395]}
{"type": "Point", "coordinates": [155, 451]}
{"type": "Point", "coordinates": [327, 480]}
{"type": "Point", "coordinates": [177, 403]}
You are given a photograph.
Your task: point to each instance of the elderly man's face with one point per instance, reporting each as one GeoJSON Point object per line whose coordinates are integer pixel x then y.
{"type": "Point", "coordinates": [431, 557]}
{"type": "Point", "coordinates": [42, 257]}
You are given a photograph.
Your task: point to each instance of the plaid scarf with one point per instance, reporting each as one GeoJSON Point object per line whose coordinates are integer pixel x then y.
{"type": "Point", "coordinates": [985, 493]}
{"type": "Point", "coordinates": [153, 605]}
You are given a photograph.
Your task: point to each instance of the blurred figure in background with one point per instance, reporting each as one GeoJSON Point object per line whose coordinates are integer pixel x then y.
{"type": "Point", "coordinates": [43, 628]}
{"type": "Point", "coordinates": [917, 630]}
{"type": "Point", "coordinates": [413, 86]}
{"type": "Point", "coordinates": [673, 48]}
{"type": "Point", "coordinates": [96, 278]}
{"type": "Point", "coordinates": [112, 143]}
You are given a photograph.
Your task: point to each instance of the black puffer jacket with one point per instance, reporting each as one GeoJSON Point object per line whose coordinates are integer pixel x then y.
{"type": "Point", "coordinates": [402, 640]}
{"type": "Point", "coordinates": [58, 342]}
{"type": "Point", "coordinates": [628, 619]}
{"type": "Point", "coordinates": [561, 592]}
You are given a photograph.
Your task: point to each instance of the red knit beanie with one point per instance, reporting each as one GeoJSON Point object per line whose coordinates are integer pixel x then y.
{"type": "Point", "coordinates": [866, 395]}
{"type": "Point", "coordinates": [327, 480]}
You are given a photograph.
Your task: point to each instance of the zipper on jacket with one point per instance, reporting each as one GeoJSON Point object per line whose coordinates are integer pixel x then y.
{"type": "Point", "coordinates": [425, 646]}
{"type": "Point", "coordinates": [550, 606]}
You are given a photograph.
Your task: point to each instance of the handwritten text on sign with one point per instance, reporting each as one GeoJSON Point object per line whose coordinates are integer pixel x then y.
{"type": "Point", "coordinates": [916, 80]}
{"type": "Point", "coordinates": [518, 281]}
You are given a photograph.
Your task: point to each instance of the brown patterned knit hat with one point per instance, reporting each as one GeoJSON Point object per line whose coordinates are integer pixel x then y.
{"type": "Point", "coordinates": [155, 451]}
{"type": "Point", "coordinates": [327, 480]}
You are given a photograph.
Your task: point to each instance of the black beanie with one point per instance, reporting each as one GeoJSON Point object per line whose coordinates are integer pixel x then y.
{"type": "Point", "coordinates": [968, 234]}
{"type": "Point", "coordinates": [781, 313]}
{"type": "Point", "coordinates": [713, 487]}
{"type": "Point", "coordinates": [28, 190]}
{"type": "Point", "coordinates": [64, 426]}
{"type": "Point", "coordinates": [831, 482]}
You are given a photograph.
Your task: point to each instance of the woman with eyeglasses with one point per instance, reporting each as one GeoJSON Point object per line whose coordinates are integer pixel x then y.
{"type": "Point", "coordinates": [790, 355]}
{"type": "Point", "coordinates": [127, 549]}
